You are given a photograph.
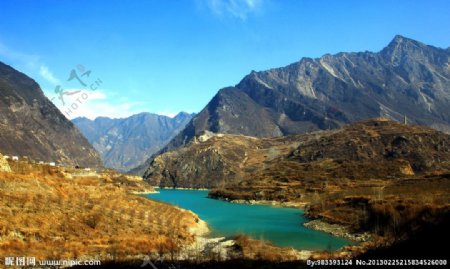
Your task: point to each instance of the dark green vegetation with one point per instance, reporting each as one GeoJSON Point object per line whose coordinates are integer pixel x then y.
{"type": "Point", "coordinates": [30, 125]}
{"type": "Point", "coordinates": [126, 143]}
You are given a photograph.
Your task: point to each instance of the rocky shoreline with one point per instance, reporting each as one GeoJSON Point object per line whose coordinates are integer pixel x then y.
{"type": "Point", "coordinates": [145, 192]}
{"type": "Point", "coordinates": [337, 230]}
{"type": "Point", "coordinates": [205, 246]}
{"type": "Point", "coordinates": [181, 188]}
{"type": "Point", "coordinates": [299, 205]}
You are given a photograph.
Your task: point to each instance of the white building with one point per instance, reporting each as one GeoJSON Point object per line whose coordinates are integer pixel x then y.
{"type": "Point", "coordinates": [15, 158]}
{"type": "Point", "coordinates": [52, 164]}
{"type": "Point", "coordinates": [6, 157]}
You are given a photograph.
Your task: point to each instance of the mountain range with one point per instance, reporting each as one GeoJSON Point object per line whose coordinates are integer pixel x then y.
{"type": "Point", "coordinates": [32, 126]}
{"type": "Point", "coordinates": [127, 142]}
{"type": "Point", "coordinates": [406, 80]}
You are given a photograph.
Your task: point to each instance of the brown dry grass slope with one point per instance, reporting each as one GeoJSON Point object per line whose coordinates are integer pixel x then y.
{"type": "Point", "coordinates": [48, 213]}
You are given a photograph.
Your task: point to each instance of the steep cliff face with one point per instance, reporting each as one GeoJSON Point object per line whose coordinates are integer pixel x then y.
{"type": "Point", "coordinates": [373, 149]}
{"type": "Point", "coordinates": [406, 78]}
{"type": "Point", "coordinates": [4, 166]}
{"type": "Point", "coordinates": [30, 125]}
{"type": "Point", "coordinates": [129, 142]}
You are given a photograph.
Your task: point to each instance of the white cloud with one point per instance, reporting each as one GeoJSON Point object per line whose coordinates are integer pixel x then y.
{"type": "Point", "coordinates": [234, 8]}
{"type": "Point", "coordinates": [169, 114]}
{"type": "Point", "coordinates": [93, 104]}
{"type": "Point", "coordinates": [48, 75]}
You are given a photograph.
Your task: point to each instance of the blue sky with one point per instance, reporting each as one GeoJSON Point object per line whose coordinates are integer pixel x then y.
{"type": "Point", "coordinates": [169, 56]}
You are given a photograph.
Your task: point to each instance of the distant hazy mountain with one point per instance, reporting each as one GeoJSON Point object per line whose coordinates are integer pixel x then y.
{"type": "Point", "coordinates": [127, 143]}
{"type": "Point", "coordinates": [30, 125]}
{"type": "Point", "coordinates": [406, 78]}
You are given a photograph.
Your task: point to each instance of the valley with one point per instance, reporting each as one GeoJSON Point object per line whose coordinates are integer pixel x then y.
{"type": "Point", "coordinates": [343, 156]}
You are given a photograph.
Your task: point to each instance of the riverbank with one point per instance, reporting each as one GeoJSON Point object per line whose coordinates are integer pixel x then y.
{"type": "Point", "coordinates": [337, 230]}
{"type": "Point", "coordinates": [145, 192]}
{"type": "Point", "coordinates": [299, 205]}
{"type": "Point", "coordinates": [180, 188]}
{"type": "Point", "coordinates": [225, 248]}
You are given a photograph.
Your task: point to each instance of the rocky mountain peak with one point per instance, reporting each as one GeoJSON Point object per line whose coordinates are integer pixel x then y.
{"type": "Point", "coordinates": [401, 42]}
{"type": "Point", "coordinates": [402, 49]}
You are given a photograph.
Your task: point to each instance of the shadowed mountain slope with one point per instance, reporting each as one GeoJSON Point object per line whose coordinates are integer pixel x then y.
{"type": "Point", "coordinates": [30, 125]}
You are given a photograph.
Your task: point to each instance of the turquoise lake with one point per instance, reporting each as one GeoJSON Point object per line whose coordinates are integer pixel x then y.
{"type": "Point", "coordinates": [282, 226]}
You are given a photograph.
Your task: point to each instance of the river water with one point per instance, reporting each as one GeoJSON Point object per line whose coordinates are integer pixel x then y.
{"type": "Point", "coordinates": [281, 226]}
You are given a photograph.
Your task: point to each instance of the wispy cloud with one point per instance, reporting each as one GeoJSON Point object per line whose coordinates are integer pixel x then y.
{"type": "Point", "coordinates": [48, 75]}
{"type": "Point", "coordinates": [30, 61]}
{"type": "Point", "coordinates": [235, 8]}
